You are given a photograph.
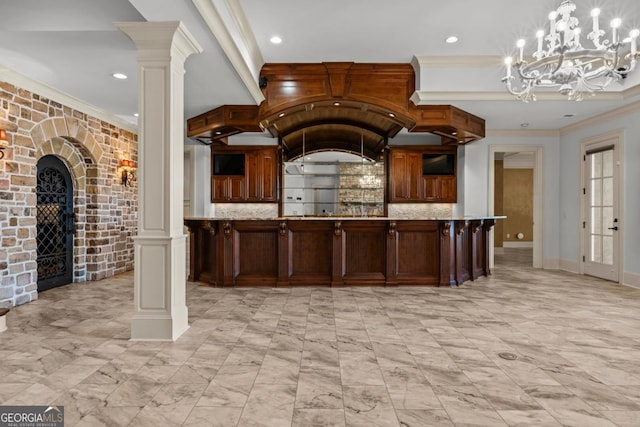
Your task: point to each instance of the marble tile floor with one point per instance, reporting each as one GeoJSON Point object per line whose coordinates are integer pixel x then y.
{"type": "Point", "coordinates": [407, 356]}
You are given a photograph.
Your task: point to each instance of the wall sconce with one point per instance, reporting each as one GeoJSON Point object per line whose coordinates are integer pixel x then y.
{"type": "Point", "coordinates": [4, 143]}
{"type": "Point", "coordinates": [128, 172]}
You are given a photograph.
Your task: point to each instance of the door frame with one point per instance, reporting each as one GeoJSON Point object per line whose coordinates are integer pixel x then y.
{"type": "Point", "coordinates": [615, 138]}
{"type": "Point", "coordinates": [538, 189]}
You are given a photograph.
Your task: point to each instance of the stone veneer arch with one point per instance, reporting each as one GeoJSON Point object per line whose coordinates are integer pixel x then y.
{"type": "Point", "coordinates": [66, 127]}
{"type": "Point", "coordinates": [78, 160]}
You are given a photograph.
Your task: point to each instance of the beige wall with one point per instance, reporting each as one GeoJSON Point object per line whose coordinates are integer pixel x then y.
{"type": "Point", "coordinates": [518, 204]}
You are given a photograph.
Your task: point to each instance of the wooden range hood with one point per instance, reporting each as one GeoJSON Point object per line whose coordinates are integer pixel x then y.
{"type": "Point", "coordinates": [339, 106]}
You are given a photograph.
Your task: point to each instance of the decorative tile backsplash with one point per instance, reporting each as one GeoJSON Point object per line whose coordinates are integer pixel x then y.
{"type": "Point", "coordinates": [420, 210]}
{"type": "Point", "coordinates": [244, 210]}
{"type": "Point", "coordinates": [270, 210]}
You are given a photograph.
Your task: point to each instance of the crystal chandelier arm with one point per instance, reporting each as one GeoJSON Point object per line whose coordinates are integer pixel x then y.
{"type": "Point", "coordinates": [525, 94]}
{"type": "Point", "coordinates": [535, 66]}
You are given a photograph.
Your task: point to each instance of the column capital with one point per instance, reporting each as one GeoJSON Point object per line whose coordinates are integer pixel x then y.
{"type": "Point", "coordinates": [170, 36]}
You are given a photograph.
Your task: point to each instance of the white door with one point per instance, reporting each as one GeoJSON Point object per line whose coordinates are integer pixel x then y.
{"type": "Point", "coordinates": [602, 225]}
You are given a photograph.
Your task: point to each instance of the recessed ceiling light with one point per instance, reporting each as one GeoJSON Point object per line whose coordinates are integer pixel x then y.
{"type": "Point", "coordinates": [391, 115]}
{"type": "Point", "coordinates": [451, 39]}
{"type": "Point", "coordinates": [337, 104]}
{"type": "Point", "coordinates": [119, 76]}
{"type": "Point", "coordinates": [135, 114]}
{"type": "Point", "coordinates": [281, 115]}
{"type": "Point", "coordinates": [275, 40]}
{"type": "Point", "coordinates": [218, 132]}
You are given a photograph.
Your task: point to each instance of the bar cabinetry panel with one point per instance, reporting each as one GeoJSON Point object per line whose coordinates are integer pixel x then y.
{"type": "Point", "coordinates": [338, 252]}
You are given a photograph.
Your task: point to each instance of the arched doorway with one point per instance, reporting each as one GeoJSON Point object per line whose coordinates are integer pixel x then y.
{"type": "Point", "coordinates": [55, 223]}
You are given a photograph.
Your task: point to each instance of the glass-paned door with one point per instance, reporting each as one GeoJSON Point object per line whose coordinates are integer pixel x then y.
{"type": "Point", "coordinates": [601, 226]}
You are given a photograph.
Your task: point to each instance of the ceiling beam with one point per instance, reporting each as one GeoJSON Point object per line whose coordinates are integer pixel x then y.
{"type": "Point", "coordinates": [227, 22]}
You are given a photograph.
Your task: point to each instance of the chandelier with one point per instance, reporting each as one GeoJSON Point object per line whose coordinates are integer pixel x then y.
{"type": "Point", "coordinates": [565, 64]}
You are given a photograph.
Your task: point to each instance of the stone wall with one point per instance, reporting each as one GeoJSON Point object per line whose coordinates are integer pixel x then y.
{"type": "Point", "coordinates": [105, 210]}
{"type": "Point", "coordinates": [361, 189]}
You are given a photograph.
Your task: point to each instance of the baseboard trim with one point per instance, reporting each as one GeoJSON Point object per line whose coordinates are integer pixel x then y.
{"type": "Point", "coordinates": [570, 265]}
{"type": "Point", "coordinates": [517, 244]}
{"type": "Point", "coordinates": [551, 264]}
{"type": "Point", "coordinates": [631, 279]}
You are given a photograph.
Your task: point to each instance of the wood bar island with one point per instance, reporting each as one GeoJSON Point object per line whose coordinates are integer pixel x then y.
{"type": "Point", "coordinates": [331, 251]}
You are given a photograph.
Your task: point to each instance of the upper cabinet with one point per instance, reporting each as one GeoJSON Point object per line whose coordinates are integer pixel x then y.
{"type": "Point", "coordinates": [246, 174]}
{"type": "Point", "coordinates": [423, 174]}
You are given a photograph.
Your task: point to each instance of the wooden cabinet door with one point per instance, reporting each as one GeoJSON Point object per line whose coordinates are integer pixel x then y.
{"type": "Point", "coordinates": [413, 177]}
{"type": "Point", "coordinates": [269, 176]}
{"type": "Point", "coordinates": [219, 191]}
{"type": "Point", "coordinates": [448, 189]}
{"type": "Point", "coordinates": [254, 176]}
{"type": "Point", "coordinates": [431, 187]}
{"type": "Point", "coordinates": [261, 169]}
{"type": "Point", "coordinates": [236, 188]}
{"type": "Point", "coordinates": [397, 178]}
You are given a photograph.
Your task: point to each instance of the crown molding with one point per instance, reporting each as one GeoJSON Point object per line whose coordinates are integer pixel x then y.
{"type": "Point", "coordinates": [229, 25]}
{"type": "Point", "coordinates": [458, 61]}
{"type": "Point", "coordinates": [522, 133]}
{"type": "Point", "coordinates": [605, 117]}
{"type": "Point", "coordinates": [428, 97]}
{"type": "Point", "coordinates": [42, 89]}
{"type": "Point", "coordinates": [631, 92]}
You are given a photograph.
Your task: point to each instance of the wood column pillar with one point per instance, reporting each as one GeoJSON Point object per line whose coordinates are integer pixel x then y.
{"type": "Point", "coordinates": [486, 229]}
{"type": "Point", "coordinates": [447, 254]}
{"type": "Point", "coordinates": [337, 269]}
{"type": "Point", "coordinates": [160, 311]}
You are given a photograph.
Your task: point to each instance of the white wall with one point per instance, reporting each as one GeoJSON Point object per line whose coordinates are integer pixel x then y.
{"type": "Point", "coordinates": [200, 184]}
{"type": "Point", "coordinates": [476, 182]}
{"type": "Point", "coordinates": [629, 123]}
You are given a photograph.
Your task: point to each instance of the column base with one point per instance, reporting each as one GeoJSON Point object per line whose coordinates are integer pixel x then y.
{"type": "Point", "coordinates": [160, 310]}
{"type": "Point", "coordinates": [158, 328]}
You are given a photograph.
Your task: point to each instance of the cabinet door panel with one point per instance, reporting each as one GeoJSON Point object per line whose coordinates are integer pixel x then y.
{"type": "Point", "coordinates": [415, 190]}
{"type": "Point", "coordinates": [448, 189]}
{"type": "Point", "coordinates": [236, 188]}
{"type": "Point", "coordinates": [431, 185]}
{"type": "Point", "coordinates": [397, 180]}
{"type": "Point", "coordinates": [254, 176]}
{"type": "Point", "coordinates": [218, 188]}
{"type": "Point", "coordinates": [269, 176]}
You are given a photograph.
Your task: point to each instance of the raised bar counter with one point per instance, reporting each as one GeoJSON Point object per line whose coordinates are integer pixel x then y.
{"type": "Point", "coordinates": [337, 251]}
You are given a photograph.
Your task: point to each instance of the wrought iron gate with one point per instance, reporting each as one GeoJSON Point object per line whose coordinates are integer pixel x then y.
{"type": "Point", "coordinates": [55, 224]}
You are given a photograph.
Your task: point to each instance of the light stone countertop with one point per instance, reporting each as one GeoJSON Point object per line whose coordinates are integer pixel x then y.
{"type": "Point", "coordinates": [348, 218]}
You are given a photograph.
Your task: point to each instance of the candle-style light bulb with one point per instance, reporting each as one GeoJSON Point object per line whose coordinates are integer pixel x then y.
{"type": "Point", "coordinates": [634, 41]}
{"type": "Point", "coordinates": [577, 31]}
{"type": "Point", "coordinates": [562, 27]}
{"type": "Point", "coordinates": [552, 22]}
{"type": "Point", "coordinates": [507, 61]}
{"type": "Point", "coordinates": [615, 24]}
{"type": "Point", "coordinates": [520, 44]}
{"type": "Point", "coordinates": [540, 36]}
{"type": "Point", "coordinates": [595, 13]}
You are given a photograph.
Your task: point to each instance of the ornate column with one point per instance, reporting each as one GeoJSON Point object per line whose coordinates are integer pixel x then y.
{"type": "Point", "coordinates": [160, 311]}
